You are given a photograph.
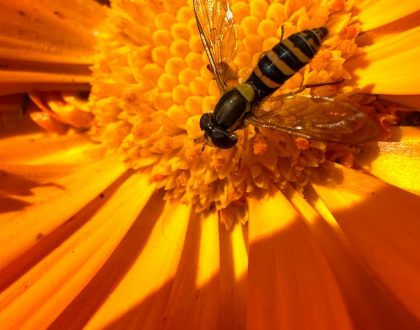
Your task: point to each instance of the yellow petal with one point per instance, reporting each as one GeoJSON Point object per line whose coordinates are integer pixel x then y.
{"type": "Point", "coordinates": [194, 299]}
{"type": "Point", "coordinates": [386, 66]}
{"type": "Point", "coordinates": [375, 13]}
{"type": "Point", "coordinates": [381, 222]}
{"type": "Point", "coordinates": [288, 276]}
{"type": "Point", "coordinates": [397, 163]}
{"type": "Point", "coordinates": [64, 261]}
{"type": "Point", "coordinates": [138, 293]}
{"type": "Point", "coordinates": [368, 305]}
{"type": "Point", "coordinates": [45, 206]}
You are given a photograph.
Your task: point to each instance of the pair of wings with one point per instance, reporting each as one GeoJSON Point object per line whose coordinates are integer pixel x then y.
{"type": "Point", "coordinates": [317, 118]}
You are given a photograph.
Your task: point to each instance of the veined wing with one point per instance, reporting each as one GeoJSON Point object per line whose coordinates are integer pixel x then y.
{"type": "Point", "coordinates": [218, 34]}
{"type": "Point", "coordinates": [318, 118]}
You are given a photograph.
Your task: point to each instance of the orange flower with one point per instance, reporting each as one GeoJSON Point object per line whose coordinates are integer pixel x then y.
{"type": "Point", "coordinates": [120, 220]}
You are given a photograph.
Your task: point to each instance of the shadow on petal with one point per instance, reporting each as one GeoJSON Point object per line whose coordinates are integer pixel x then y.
{"type": "Point", "coordinates": [48, 243]}
{"type": "Point", "coordinates": [18, 186]}
{"type": "Point", "coordinates": [291, 285]}
{"type": "Point", "coordinates": [381, 224]}
{"type": "Point", "coordinates": [96, 292]}
{"type": "Point", "coordinates": [10, 204]}
{"type": "Point", "coordinates": [370, 305]}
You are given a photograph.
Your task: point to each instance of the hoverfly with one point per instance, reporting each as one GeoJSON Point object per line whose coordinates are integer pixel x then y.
{"type": "Point", "coordinates": [318, 118]}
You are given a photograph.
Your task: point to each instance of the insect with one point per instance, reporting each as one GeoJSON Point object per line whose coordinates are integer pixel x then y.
{"type": "Point", "coordinates": [319, 118]}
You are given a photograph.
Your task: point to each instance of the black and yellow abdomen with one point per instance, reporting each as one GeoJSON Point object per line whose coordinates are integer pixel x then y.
{"type": "Point", "coordinates": [284, 60]}
{"type": "Point", "coordinates": [271, 71]}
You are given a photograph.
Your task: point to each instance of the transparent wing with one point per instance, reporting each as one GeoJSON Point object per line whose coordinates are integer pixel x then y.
{"type": "Point", "coordinates": [218, 34]}
{"type": "Point", "coordinates": [317, 118]}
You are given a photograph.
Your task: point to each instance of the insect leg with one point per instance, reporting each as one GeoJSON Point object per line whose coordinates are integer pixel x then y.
{"type": "Point", "coordinates": [303, 87]}
{"type": "Point", "coordinates": [322, 84]}
{"type": "Point", "coordinates": [278, 98]}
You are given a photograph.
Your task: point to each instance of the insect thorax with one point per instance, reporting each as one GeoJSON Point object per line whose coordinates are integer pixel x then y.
{"type": "Point", "coordinates": [233, 107]}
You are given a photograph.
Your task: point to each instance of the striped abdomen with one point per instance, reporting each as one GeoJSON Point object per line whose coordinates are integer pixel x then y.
{"type": "Point", "coordinates": [284, 60]}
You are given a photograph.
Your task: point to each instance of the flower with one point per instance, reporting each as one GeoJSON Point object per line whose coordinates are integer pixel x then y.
{"type": "Point", "coordinates": [141, 228]}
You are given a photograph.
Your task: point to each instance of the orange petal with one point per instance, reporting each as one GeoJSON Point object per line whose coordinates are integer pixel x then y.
{"type": "Point", "coordinates": [194, 299]}
{"type": "Point", "coordinates": [375, 13]}
{"type": "Point", "coordinates": [48, 42]}
{"type": "Point", "coordinates": [397, 163]}
{"type": "Point", "coordinates": [381, 223]}
{"type": "Point", "coordinates": [368, 305]}
{"type": "Point", "coordinates": [386, 66]}
{"type": "Point", "coordinates": [288, 275]}
{"type": "Point", "coordinates": [118, 265]}
{"type": "Point", "coordinates": [31, 79]}
{"type": "Point", "coordinates": [408, 100]}
{"type": "Point", "coordinates": [12, 103]}
{"type": "Point", "coordinates": [70, 257]}
{"type": "Point", "coordinates": [137, 297]}
{"type": "Point", "coordinates": [69, 85]}
{"type": "Point", "coordinates": [68, 108]}
{"type": "Point", "coordinates": [57, 31]}
{"type": "Point", "coordinates": [39, 148]}
{"type": "Point", "coordinates": [233, 277]}
{"type": "Point", "coordinates": [12, 119]}
{"type": "Point", "coordinates": [41, 207]}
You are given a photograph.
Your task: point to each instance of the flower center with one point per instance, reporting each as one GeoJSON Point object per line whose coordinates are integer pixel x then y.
{"type": "Point", "coordinates": [152, 83]}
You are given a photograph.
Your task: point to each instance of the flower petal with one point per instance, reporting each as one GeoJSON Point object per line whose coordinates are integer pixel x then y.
{"type": "Point", "coordinates": [381, 222]}
{"type": "Point", "coordinates": [288, 275]}
{"type": "Point", "coordinates": [45, 206]}
{"type": "Point", "coordinates": [375, 13]}
{"type": "Point", "coordinates": [70, 256]}
{"type": "Point", "coordinates": [408, 100]}
{"type": "Point", "coordinates": [47, 42]}
{"type": "Point", "coordinates": [397, 163]}
{"type": "Point", "coordinates": [194, 299]}
{"type": "Point", "coordinates": [368, 305]}
{"type": "Point", "coordinates": [139, 298]}
{"type": "Point", "coordinates": [12, 120]}
{"type": "Point", "coordinates": [233, 277]}
{"type": "Point", "coordinates": [39, 148]}
{"type": "Point", "coordinates": [386, 66]}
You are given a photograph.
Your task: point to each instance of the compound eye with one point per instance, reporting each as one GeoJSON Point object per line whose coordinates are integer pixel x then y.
{"type": "Point", "coordinates": [205, 121]}
{"type": "Point", "coordinates": [223, 139]}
